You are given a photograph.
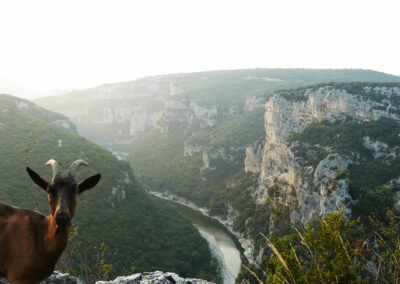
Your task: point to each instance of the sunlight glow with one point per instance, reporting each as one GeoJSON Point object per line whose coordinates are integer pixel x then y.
{"type": "Point", "coordinates": [49, 44]}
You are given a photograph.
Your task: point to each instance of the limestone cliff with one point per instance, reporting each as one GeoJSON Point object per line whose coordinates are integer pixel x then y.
{"type": "Point", "coordinates": [313, 189]}
{"type": "Point", "coordinates": [116, 114]}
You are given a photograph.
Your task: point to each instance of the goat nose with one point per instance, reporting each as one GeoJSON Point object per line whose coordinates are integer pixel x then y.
{"type": "Point", "coordinates": [62, 218]}
{"type": "Point", "coordinates": [62, 214]}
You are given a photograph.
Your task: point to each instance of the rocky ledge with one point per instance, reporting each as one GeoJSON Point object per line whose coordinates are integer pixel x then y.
{"type": "Point", "coordinates": [56, 278]}
{"type": "Point", "coordinates": [157, 277]}
{"type": "Point", "coordinates": [154, 277]}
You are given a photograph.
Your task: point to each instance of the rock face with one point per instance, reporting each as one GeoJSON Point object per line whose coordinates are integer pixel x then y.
{"type": "Point", "coordinates": [315, 190]}
{"type": "Point", "coordinates": [254, 156]}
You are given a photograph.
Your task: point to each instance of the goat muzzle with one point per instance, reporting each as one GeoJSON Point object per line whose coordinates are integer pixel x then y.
{"type": "Point", "coordinates": [63, 218]}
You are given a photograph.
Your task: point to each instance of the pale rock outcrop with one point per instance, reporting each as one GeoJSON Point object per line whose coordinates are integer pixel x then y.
{"type": "Point", "coordinates": [332, 188]}
{"type": "Point", "coordinates": [174, 90]}
{"type": "Point", "coordinates": [119, 192]}
{"type": "Point", "coordinates": [206, 162]}
{"type": "Point", "coordinates": [189, 150]}
{"type": "Point", "coordinates": [254, 156]}
{"type": "Point", "coordinates": [396, 198]}
{"type": "Point", "coordinates": [378, 147]}
{"type": "Point", "coordinates": [122, 186]}
{"type": "Point", "coordinates": [65, 123]}
{"type": "Point", "coordinates": [175, 104]}
{"type": "Point", "coordinates": [22, 105]}
{"type": "Point", "coordinates": [215, 153]}
{"type": "Point", "coordinates": [266, 79]}
{"type": "Point", "coordinates": [139, 122]}
{"type": "Point", "coordinates": [254, 103]}
{"type": "Point", "coordinates": [156, 118]}
{"type": "Point", "coordinates": [77, 116]}
{"type": "Point", "coordinates": [206, 115]}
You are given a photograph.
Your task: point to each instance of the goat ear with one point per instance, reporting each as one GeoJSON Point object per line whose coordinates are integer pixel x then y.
{"type": "Point", "coordinates": [37, 179]}
{"type": "Point", "coordinates": [88, 183]}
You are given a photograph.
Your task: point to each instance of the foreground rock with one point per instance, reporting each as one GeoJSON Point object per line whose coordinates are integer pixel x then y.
{"type": "Point", "coordinates": [154, 277]}
{"type": "Point", "coordinates": [157, 277]}
{"type": "Point", "coordinates": [62, 278]}
{"type": "Point", "coordinates": [56, 278]}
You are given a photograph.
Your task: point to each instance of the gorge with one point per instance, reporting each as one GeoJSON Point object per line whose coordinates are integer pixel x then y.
{"type": "Point", "coordinates": [230, 141]}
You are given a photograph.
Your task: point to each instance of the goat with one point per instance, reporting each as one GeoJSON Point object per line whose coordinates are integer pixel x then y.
{"type": "Point", "coordinates": [31, 243]}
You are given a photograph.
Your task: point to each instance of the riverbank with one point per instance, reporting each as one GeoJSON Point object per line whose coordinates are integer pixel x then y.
{"type": "Point", "coordinates": [246, 244]}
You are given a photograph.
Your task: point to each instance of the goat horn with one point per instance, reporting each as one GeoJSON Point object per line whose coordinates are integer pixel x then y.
{"type": "Point", "coordinates": [54, 166]}
{"type": "Point", "coordinates": [74, 166]}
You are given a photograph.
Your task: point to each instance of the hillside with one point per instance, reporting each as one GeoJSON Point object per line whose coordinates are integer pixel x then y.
{"type": "Point", "coordinates": [202, 136]}
{"type": "Point", "coordinates": [137, 230]}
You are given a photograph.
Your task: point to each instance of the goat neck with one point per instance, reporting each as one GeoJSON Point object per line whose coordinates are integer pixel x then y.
{"type": "Point", "coordinates": [55, 238]}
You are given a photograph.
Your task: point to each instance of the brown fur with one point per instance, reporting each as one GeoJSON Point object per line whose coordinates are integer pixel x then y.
{"type": "Point", "coordinates": [30, 246]}
{"type": "Point", "coordinates": [31, 243]}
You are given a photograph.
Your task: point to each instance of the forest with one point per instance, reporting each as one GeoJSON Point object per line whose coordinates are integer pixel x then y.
{"type": "Point", "coordinates": [137, 232]}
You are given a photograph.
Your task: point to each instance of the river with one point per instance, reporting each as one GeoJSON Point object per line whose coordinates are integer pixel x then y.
{"type": "Point", "coordinates": [221, 242]}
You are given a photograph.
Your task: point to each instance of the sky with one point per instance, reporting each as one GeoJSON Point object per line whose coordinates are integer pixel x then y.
{"type": "Point", "coordinates": [51, 44]}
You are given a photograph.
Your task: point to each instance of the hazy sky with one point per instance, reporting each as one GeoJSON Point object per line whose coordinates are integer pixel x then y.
{"type": "Point", "coordinates": [76, 44]}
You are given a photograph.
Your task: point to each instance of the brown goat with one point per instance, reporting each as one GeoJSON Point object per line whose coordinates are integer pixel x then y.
{"type": "Point", "coordinates": [31, 243]}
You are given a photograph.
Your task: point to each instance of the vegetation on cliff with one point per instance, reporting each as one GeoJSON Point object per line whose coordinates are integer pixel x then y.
{"type": "Point", "coordinates": [332, 249]}
{"type": "Point", "coordinates": [370, 172]}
